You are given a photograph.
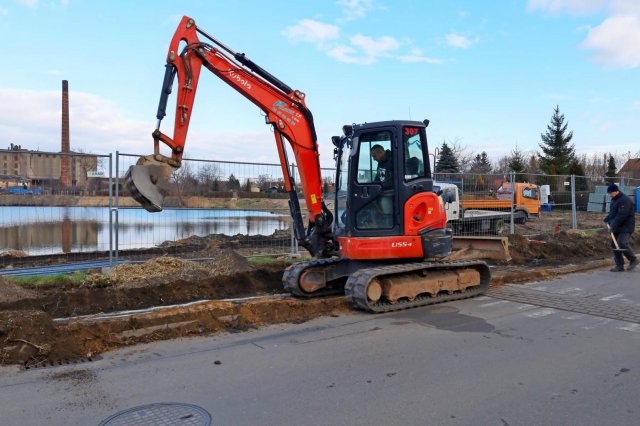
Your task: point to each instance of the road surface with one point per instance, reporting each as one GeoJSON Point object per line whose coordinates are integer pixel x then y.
{"type": "Point", "coordinates": [484, 361]}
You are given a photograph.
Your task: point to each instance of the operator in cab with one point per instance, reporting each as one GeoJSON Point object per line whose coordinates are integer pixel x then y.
{"type": "Point", "coordinates": [384, 175]}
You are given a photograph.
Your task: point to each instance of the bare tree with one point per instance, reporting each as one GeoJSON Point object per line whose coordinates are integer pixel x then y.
{"type": "Point", "coordinates": [502, 165]}
{"type": "Point", "coordinates": [209, 176]}
{"type": "Point", "coordinates": [265, 182]}
{"type": "Point", "coordinates": [181, 180]}
{"type": "Point", "coordinates": [462, 153]}
{"type": "Point", "coordinates": [594, 165]}
{"type": "Point", "coordinates": [209, 173]}
{"type": "Point", "coordinates": [85, 163]}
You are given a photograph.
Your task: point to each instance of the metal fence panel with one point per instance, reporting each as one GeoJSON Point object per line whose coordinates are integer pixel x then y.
{"type": "Point", "coordinates": [241, 205]}
{"type": "Point", "coordinates": [54, 205]}
{"type": "Point", "coordinates": [476, 204]}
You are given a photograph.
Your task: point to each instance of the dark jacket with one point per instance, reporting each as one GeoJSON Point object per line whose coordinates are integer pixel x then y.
{"type": "Point", "coordinates": [621, 217]}
{"type": "Point", "coordinates": [384, 174]}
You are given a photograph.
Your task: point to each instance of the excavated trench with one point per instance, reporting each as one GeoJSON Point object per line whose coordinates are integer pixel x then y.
{"type": "Point", "coordinates": [168, 297]}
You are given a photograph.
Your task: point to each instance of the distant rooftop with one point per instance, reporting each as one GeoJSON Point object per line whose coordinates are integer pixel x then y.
{"type": "Point", "coordinates": [631, 165]}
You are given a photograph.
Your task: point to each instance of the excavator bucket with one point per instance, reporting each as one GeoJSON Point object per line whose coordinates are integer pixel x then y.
{"type": "Point", "coordinates": [143, 181]}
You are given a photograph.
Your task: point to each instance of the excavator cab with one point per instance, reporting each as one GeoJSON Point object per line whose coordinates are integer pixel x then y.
{"type": "Point", "coordinates": [384, 191]}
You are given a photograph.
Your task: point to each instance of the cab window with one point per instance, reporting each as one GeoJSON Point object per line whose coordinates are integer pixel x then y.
{"type": "Point", "coordinates": [370, 144]}
{"type": "Point", "coordinates": [414, 157]}
{"type": "Point", "coordinates": [449, 195]}
{"type": "Point", "coordinates": [530, 193]}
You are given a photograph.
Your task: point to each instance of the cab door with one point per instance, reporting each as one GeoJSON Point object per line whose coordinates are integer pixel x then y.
{"type": "Point", "coordinates": [416, 171]}
{"type": "Point", "coordinates": [373, 203]}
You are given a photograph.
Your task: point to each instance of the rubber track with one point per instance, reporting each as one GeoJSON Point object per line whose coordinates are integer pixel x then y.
{"type": "Point", "coordinates": [356, 286]}
{"type": "Point", "coordinates": [291, 278]}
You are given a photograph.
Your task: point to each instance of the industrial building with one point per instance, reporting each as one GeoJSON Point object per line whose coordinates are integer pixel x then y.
{"type": "Point", "coordinates": [20, 167]}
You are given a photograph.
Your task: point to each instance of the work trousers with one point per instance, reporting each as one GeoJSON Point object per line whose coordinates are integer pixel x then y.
{"type": "Point", "coordinates": [623, 242]}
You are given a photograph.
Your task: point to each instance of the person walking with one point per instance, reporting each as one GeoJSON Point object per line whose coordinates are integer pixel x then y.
{"type": "Point", "coordinates": [622, 222]}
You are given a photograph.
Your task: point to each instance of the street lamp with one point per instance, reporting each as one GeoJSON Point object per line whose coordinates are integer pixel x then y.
{"type": "Point", "coordinates": [436, 151]}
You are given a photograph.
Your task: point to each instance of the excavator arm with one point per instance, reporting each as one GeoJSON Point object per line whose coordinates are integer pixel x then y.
{"type": "Point", "coordinates": [284, 108]}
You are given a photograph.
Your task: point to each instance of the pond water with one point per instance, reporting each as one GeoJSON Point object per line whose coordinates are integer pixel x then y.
{"type": "Point", "coordinates": [46, 230]}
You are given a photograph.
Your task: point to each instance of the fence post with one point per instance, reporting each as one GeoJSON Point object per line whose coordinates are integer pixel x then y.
{"type": "Point", "coordinates": [574, 215]}
{"type": "Point", "coordinates": [110, 215]}
{"type": "Point", "coordinates": [512, 226]}
{"type": "Point", "coordinates": [117, 199]}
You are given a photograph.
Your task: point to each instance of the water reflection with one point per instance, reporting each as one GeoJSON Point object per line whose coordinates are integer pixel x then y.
{"type": "Point", "coordinates": [46, 230]}
{"type": "Point", "coordinates": [46, 238]}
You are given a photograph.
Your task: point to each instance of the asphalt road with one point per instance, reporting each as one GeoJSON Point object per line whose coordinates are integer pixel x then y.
{"type": "Point", "coordinates": [484, 361]}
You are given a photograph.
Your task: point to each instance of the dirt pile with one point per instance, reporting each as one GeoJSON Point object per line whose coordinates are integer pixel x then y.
{"type": "Point", "coordinates": [10, 292]}
{"type": "Point", "coordinates": [12, 254]}
{"type": "Point", "coordinates": [33, 337]}
{"type": "Point", "coordinates": [155, 272]}
{"type": "Point", "coordinates": [158, 282]}
{"type": "Point", "coordinates": [561, 246]}
{"type": "Point", "coordinates": [29, 334]}
{"type": "Point", "coordinates": [210, 245]}
{"type": "Point", "coordinates": [166, 269]}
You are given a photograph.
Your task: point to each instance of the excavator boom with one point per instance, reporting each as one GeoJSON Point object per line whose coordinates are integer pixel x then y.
{"type": "Point", "coordinates": [284, 109]}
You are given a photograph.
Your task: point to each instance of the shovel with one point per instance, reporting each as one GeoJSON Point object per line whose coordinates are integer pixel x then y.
{"type": "Point", "coordinates": [615, 241]}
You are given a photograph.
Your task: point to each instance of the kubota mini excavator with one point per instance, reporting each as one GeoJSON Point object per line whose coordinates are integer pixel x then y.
{"type": "Point", "coordinates": [385, 249]}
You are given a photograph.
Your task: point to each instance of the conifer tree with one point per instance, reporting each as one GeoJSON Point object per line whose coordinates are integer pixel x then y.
{"type": "Point", "coordinates": [481, 164]}
{"type": "Point", "coordinates": [234, 183]}
{"type": "Point", "coordinates": [557, 151]}
{"type": "Point", "coordinates": [447, 161]}
{"type": "Point", "coordinates": [517, 163]}
{"type": "Point", "coordinates": [611, 168]}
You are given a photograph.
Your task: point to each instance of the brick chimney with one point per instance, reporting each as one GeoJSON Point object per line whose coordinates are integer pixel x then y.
{"type": "Point", "coordinates": [65, 160]}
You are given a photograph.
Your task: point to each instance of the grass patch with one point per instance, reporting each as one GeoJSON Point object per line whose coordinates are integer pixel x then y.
{"type": "Point", "coordinates": [592, 232]}
{"type": "Point", "coordinates": [56, 280]}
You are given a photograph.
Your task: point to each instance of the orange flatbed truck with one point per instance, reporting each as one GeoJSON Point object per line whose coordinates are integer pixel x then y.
{"type": "Point", "coordinates": [526, 201]}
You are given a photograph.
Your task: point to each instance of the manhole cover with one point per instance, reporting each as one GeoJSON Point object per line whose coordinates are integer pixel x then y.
{"type": "Point", "coordinates": [161, 414]}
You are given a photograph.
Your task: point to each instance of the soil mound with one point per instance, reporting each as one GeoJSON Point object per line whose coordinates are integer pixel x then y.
{"type": "Point", "coordinates": [12, 254]}
{"type": "Point", "coordinates": [167, 269]}
{"type": "Point", "coordinates": [10, 292]}
{"type": "Point", "coordinates": [561, 246]}
{"type": "Point", "coordinates": [32, 337]}
{"type": "Point", "coordinates": [155, 272]}
{"type": "Point", "coordinates": [224, 262]}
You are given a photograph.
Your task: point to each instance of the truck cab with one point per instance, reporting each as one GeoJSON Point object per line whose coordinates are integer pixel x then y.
{"type": "Point", "coordinates": [526, 197]}
{"type": "Point", "coordinates": [468, 221]}
{"type": "Point", "coordinates": [450, 198]}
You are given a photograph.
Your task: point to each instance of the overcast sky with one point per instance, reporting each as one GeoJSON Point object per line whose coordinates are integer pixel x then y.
{"type": "Point", "coordinates": [487, 74]}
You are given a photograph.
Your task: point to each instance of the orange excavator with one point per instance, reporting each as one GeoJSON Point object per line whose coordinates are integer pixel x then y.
{"type": "Point", "coordinates": [387, 247]}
